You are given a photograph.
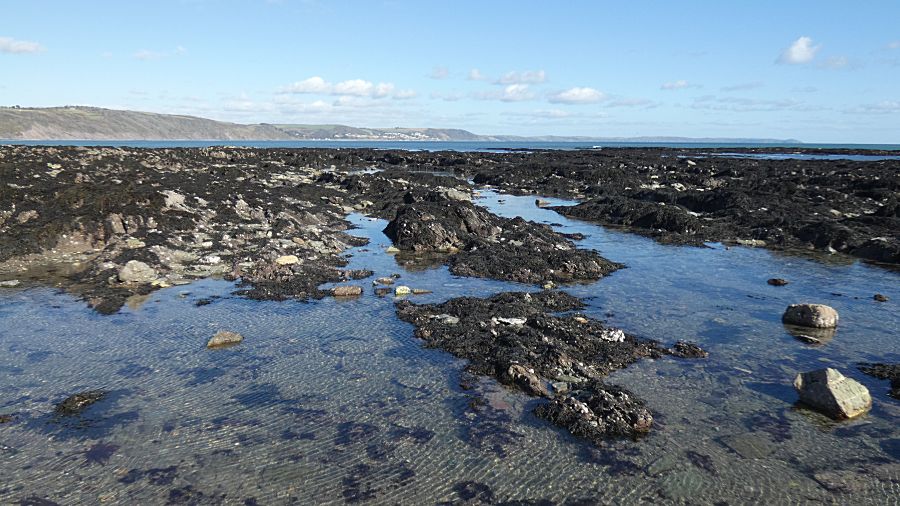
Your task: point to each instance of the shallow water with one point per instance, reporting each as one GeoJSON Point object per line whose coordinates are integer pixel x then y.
{"type": "Point", "coordinates": [335, 401]}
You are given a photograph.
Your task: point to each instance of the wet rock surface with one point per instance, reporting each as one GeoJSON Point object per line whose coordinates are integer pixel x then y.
{"type": "Point", "coordinates": [519, 339]}
{"type": "Point", "coordinates": [224, 338]}
{"type": "Point", "coordinates": [885, 372]}
{"type": "Point", "coordinates": [817, 316]}
{"type": "Point", "coordinates": [832, 393]}
{"type": "Point", "coordinates": [76, 403]}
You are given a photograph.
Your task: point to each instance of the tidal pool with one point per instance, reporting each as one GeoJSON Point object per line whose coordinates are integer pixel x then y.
{"type": "Point", "coordinates": [336, 401]}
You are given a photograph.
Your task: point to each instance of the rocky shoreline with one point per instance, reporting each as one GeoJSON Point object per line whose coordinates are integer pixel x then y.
{"type": "Point", "coordinates": [108, 224]}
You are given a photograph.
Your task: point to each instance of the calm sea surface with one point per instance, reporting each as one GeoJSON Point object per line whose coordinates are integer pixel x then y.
{"type": "Point", "coordinates": [478, 146]}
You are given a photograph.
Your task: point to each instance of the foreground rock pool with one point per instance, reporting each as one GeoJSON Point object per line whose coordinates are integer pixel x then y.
{"type": "Point", "coordinates": [336, 401]}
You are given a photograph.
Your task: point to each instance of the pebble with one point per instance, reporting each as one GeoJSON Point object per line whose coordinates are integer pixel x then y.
{"type": "Point", "coordinates": [346, 291]}
{"type": "Point", "coordinates": [224, 338]}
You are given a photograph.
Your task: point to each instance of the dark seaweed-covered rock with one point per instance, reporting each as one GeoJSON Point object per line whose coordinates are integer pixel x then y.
{"type": "Point", "coordinates": [76, 403]}
{"type": "Point", "coordinates": [685, 349]}
{"type": "Point", "coordinates": [885, 372]}
{"type": "Point", "coordinates": [597, 411]}
{"type": "Point", "coordinates": [482, 244]}
{"type": "Point", "coordinates": [519, 339]}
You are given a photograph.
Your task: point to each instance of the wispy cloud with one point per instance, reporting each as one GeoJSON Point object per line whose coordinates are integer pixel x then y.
{"type": "Point", "coordinates": [800, 52]}
{"type": "Point", "coordinates": [13, 46]}
{"type": "Point", "coordinates": [476, 75]}
{"type": "Point", "coordinates": [678, 85]}
{"type": "Point", "coordinates": [894, 44]}
{"type": "Point", "coordinates": [529, 77]}
{"type": "Point", "coordinates": [839, 62]}
{"type": "Point", "coordinates": [351, 87]}
{"type": "Point", "coordinates": [447, 97]}
{"type": "Point", "coordinates": [582, 95]}
{"type": "Point", "coordinates": [743, 104]}
{"type": "Point", "coordinates": [744, 86]}
{"type": "Point", "coordinates": [405, 94]}
{"type": "Point", "coordinates": [439, 73]}
{"type": "Point", "coordinates": [630, 102]}
{"type": "Point", "coordinates": [883, 107]}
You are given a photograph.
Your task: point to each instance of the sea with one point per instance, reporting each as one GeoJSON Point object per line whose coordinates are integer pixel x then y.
{"type": "Point", "coordinates": [451, 145]}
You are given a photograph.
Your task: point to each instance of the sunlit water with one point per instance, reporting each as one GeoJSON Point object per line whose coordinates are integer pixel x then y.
{"type": "Point", "coordinates": [335, 401]}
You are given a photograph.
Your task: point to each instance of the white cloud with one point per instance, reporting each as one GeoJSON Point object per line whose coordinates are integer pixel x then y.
{"type": "Point", "coordinates": [529, 77]}
{"type": "Point", "coordinates": [10, 45]}
{"type": "Point", "coordinates": [439, 73]}
{"type": "Point", "coordinates": [582, 95]}
{"type": "Point", "coordinates": [800, 52]}
{"type": "Point", "coordinates": [677, 85]}
{"type": "Point", "coordinates": [476, 75]}
{"type": "Point", "coordinates": [383, 90]}
{"type": "Point", "coordinates": [357, 87]}
{"type": "Point", "coordinates": [894, 45]}
{"type": "Point", "coordinates": [351, 87]}
{"type": "Point", "coordinates": [314, 84]}
{"type": "Point", "coordinates": [516, 93]}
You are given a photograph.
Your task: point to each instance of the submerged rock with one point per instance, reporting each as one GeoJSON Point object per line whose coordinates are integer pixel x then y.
{"type": "Point", "coordinates": [685, 349]}
{"type": "Point", "coordinates": [832, 393]}
{"type": "Point", "coordinates": [76, 403]}
{"type": "Point", "coordinates": [224, 338]}
{"type": "Point", "coordinates": [777, 282]}
{"type": "Point", "coordinates": [811, 315]}
{"type": "Point", "coordinates": [136, 271]}
{"type": "Point", "coordinates": [811, 335]}
{"type": "Point", "coordinates": [880, 297]}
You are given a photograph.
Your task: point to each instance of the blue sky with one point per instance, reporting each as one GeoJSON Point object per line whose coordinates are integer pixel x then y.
{"type": "Point", "coordinates": [818, 71]}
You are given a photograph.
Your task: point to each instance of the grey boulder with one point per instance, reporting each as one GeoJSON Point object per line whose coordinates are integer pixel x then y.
{"type": "Point", "coordinates": [817, 316]}
{"type": "Point", "coordinates": [136, 272]}
{"type": "Point", "coordinates": [833, 394]}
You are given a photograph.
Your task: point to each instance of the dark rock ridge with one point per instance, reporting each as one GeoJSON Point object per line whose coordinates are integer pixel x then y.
{"type": "Point", "coordinates": [516, 338]}
{"type": "Point", "coordinates": [885, 372]}
{"type": "Point", "coordinates": [482, 244]}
